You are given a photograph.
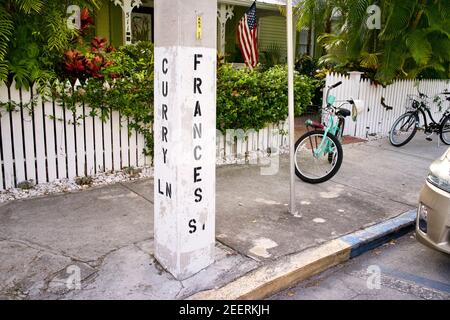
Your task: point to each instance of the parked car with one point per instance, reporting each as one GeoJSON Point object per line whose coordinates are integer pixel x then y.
{"type": "Point", "coordinates": [433, 214]}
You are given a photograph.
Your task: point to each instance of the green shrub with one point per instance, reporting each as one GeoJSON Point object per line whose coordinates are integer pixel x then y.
{"type": "Point", "coordinates": [129, 89]}
{"type": "Point", "coordinates": [246, 99]}
{"type": "Point", "coordinates": [249, 99]}
{"type": "Point", "coordinates": [238, 99]}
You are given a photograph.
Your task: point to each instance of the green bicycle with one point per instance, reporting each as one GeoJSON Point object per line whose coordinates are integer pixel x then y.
{"type": "Point", "coordinates": [318, 153]}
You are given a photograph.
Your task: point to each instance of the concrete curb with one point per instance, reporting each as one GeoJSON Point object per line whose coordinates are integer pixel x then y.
{"type": "Point", "coordinates": [378, 234]}
{"type": "Point", "coordinates": [285, 272]}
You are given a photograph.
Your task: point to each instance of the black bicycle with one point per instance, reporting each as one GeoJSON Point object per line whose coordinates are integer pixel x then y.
{"type": "Point", "coordinates": [406, 126]}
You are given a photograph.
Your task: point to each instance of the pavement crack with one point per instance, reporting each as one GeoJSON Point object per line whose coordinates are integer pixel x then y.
{"type": "Point", "coordinates": [135, 192]}
{"type": "Point", "coordinates": [41, 248]}
{"type": "Point", "coordinates": [181, 289]}
{"type": "Point", "coordinates": [374, 194]}
{"type": "Point", "coordinates": [97, 263]}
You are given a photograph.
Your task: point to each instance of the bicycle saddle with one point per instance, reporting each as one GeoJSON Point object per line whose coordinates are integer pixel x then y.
{"type": "Point", "coordinates": [314, 124]}
{"type": "Point", "coordinates": [343, 113]}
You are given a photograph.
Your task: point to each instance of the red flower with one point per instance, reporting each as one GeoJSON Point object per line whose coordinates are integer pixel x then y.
{"type": "Point", "coordinates": [85, 19]}
{"type": "Point", "coordinates": [98, 43]}
{"type": "Point", "coordinates": [74, 61]}
{"type": "Point", "coordinates": [75, 65]}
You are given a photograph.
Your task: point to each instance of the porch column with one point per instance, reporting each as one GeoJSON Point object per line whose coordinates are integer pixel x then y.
{"type": "Point", "coordinates": [224, 13]}
{"type": "Point", "coordinates": [127, 7]}
{"type": "Point", "coordinates": [185, 134]}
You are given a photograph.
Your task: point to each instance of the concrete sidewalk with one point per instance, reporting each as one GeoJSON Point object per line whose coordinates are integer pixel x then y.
{"type": "Point", "coordinates": [107, 232]}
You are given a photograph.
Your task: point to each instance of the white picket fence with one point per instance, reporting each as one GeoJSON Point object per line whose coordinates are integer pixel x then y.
{"type": "Point", "coordinates": [375, 120]}
{"type": "Point", "coordinates": [237, 146]}
{"type": "Point", "coordinates": [43, 143]}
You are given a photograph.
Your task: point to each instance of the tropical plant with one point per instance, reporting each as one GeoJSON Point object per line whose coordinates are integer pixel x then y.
{"type": "Point", "coordinates": [33, 35]}
{"type": "Point", "coordinates": [414, 40]}
{"type": "Point", "coordinates": [306, 65]}
{"type": "Point", "coordinates": [122, 82]}
{"type": "Point", "coordinates": [78, 65]}
{"type": "Point", "coordinates": [315, 16]}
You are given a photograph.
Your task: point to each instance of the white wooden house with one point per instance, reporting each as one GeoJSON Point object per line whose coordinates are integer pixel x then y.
{"type": "Point", "coordinates": [122, 21]}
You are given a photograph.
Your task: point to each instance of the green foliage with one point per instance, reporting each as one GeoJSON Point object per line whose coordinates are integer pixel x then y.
{"type": "Point", "coordinates": [238, 99]}
{"type": "Point", "coordinates": [306, 65]}
{"type": "Point", "coordinates": [131, 87]}
{"type": "Point", "coordinates": [246, 99]}
{"type": "Point", "coordinates": [251, 99]}
{"type": "Point", "coordinates": [33, 34]}
{"type": "Point", "coordinates": [414, 40]}
{"type": "Point", "coordinates": [126, 86]}
{"type": "Point", "coordinates": [314, 15]}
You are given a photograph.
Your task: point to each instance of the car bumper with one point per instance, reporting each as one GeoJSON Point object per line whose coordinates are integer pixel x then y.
{"type": "Point", "coordinates": [434, 230]}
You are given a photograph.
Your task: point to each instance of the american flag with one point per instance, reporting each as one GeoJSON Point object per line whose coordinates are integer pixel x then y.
{"type": "Point", "coordinates": [247, 37]}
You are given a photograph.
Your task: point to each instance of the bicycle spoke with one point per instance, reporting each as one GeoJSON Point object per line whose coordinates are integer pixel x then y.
{"type": "Point", "coordinates": [403, 128]}
{"type": "Point", "coordinates": [317, 164]}
{"type": "Point", "coordinates": [312, 147]}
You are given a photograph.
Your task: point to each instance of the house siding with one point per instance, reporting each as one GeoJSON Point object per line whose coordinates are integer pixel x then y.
{"type": "Point", "coordinates": [272, 29]}
{"type": "Point", "coordinates": [272, 33]}
{"type": "Point", "coordinates": [116, 26]}
{"type": "Point", "coordinates": [109, 23]}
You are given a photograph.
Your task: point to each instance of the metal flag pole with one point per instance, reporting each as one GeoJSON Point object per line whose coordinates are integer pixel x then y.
{"type": "Point", "coordinates": [290, 58]}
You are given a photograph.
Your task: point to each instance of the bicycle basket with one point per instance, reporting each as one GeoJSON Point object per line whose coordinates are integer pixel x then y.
{"type": "Point", "coordinates": [411, 103]}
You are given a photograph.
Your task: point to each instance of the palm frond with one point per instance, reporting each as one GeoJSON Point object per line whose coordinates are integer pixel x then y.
{"type": "Point", "coordinates": [370, 60]}
{"type": "Point", "coordinates": [29, 6]}
{"type": "Point", "coordinates": [6, 30]}
{"type": "Point", "coordinates": [3, 71]}
{"type": "Point", "coordinates": [399, 18]}
{"type": "Point", "coordinates": [419, 46]}
{"type": "Point", "coordinates": [57, 32]}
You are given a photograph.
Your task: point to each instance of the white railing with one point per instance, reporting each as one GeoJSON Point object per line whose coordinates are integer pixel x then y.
{"type": "Point", "coordinates": [43, 143]}
{"type": "Point", "coordinates": [375, 120]}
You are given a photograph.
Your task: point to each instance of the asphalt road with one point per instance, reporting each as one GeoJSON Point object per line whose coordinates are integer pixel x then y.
{"type": "Point", "coordinates": [407, 269]}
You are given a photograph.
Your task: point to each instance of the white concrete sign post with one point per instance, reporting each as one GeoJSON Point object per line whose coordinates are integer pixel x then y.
{"type": "Point", "coordinates": [185, 134]}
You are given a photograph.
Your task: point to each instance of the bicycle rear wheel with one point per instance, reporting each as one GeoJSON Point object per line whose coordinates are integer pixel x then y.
{"type": "Point", "coordinates": [311, 163]}
{"type": "Point", "coordinates": [403, 129]}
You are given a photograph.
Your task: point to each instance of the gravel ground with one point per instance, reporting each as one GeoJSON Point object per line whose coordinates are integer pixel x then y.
{"type": "Point", "coordinates": [68, 185]}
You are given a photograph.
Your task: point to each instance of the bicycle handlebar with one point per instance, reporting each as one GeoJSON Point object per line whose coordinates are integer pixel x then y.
{"type": "Point", "coordinates": [336, 85]}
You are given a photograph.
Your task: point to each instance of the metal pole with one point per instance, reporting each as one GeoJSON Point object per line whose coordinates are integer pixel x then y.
{"type": "Point", "coordinates": [290, 58]}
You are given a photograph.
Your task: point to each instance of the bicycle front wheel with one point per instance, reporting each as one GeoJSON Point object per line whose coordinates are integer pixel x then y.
{"type": "Point", "coordinates": [312, 153]}
{"type": "Point", "coordinates": [403, 129]}
{"type": "Point", "coordinates": [445, 130]}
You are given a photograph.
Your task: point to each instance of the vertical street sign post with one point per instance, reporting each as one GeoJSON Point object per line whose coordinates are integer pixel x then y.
{"type": "Point", "coordinates": [185, 134]}
{"type": "Point", "coordinates": [290, 58]}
